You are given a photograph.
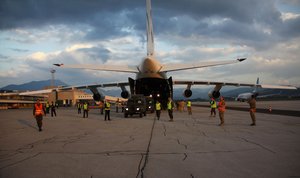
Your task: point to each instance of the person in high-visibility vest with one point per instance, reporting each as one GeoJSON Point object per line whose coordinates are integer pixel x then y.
{"type": "Point", "coordinates": [85, 110]}
{"type": "Point", "coordinates": [189, 107]}
{"type": "Point", "coordinates": [47, 108]}
{"type": "Point", "coordinates": [213, 106]}
{"type": "Point", "coordinates": [79, 106]}
{"type": "Point", "coordinates": [157, 109]}
{"type": "Point", "coordinates": [221, 108]}
{"type": "Point", "coordinates": [107, 110]}
{"type": "Point", "coordinates": [252, 104]}
{"type": "Point", "coordinates": [38, 112]}
{"type": "Point", "coordinates": [170, 106]}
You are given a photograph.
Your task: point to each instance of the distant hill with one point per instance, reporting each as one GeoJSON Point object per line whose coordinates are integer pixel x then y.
{"type": "Point", "coordinates": [34, 85]}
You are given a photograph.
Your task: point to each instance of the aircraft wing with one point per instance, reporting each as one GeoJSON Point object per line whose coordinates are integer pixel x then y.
{"type": "Point", "coordinates": [104, 67]}
{"type": "Point", "coordinates": [186, 82]}
{"type": "Point", "coordinates": [176, 67]}
{"type": "Point", "coordinates": [116, 84]}
{"type": "Point", "coordinates": [63, 88]}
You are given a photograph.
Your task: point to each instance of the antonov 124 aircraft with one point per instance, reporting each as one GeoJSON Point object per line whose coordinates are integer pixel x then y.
{"type": "Point", "coordinates": [151, 76]}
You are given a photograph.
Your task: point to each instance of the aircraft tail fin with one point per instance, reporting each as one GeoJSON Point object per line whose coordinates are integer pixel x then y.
{"type": "Point", "coordinates": [256, 86]}
{"type": "Point", "coordinates": [150, 35]}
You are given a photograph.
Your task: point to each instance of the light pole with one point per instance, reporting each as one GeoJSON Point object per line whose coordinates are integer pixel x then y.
{"type": "Point", "coordinates": [52, 79]}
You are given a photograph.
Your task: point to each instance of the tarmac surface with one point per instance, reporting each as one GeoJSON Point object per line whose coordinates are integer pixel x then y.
{"type": "Point", "coordinates": [191, 146]}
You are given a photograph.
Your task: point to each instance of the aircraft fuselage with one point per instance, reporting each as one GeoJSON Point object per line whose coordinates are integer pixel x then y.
{"type": "Point", "coordinates": [151, 82]}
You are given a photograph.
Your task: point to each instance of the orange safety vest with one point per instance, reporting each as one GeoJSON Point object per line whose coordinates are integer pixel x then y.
{"type": "Point", "coordinates": [38, 109]}
{"type": "Point", "coordinates": [221, 106]}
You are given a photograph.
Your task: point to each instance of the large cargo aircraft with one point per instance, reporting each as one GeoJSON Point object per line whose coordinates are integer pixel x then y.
{"type": "Point", "coordinates": [151, 76]}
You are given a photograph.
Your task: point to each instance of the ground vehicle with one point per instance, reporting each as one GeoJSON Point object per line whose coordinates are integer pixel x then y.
{"type": "Point", "coordinates": [136, 104]}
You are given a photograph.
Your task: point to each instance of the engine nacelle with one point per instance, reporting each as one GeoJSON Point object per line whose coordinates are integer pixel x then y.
{"type": "Point", "coordinates": [97, 97]}
{"type": "Point", "coordinates": [187, 93]}
{"type": "Point", "coordinates": [125, 94]}
{"type": "Point", "coordinates": [214, 94]}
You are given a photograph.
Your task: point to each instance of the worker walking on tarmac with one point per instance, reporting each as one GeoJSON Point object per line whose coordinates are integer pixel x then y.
{"type": "Point", "coordinates": [47, 108]}
{"type": "Point", "coordinates": [213, 106]}
{"type": "Point", "coordinates": [252, 104]}
{"type": "Point", "coordinates": [85, 110]}
{"type": "Point", "coordinates": [157, 109]}
{"type": "Point", "coordinates": [79, 106]}
{"type": "Point", "coordinates": [221, 108]}
{"type": "Point", "coordinates": [107, 110]}
{"type": "Point", "coordinates": [101, 107]}
{"type": "Point", "coordinates": [52, 107]}
{"type": "Point", "coordinates": [38, 112]}
{"type": "Point", "coordinates": [189, 107]}
{"type": "Point", "coordinates": [170, 106]}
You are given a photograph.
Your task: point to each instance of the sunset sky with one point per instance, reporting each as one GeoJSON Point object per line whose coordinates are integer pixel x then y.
{"type": "Point", "coordinates": [34, 34]}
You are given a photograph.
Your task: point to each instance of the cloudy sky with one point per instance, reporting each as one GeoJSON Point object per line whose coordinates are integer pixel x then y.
{"type": "Point", "coordinates": [34, 34]}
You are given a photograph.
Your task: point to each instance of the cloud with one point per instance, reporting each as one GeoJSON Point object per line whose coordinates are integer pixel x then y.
{"type": "Point", "coordinates": [40, 33]}
{"type": "Point", "coordinates": [289, 16]}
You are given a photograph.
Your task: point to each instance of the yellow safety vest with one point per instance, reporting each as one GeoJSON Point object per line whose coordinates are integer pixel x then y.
{"type": "Point", "coordinates": [85, 106]}
{"type": "Point", "coordinates": [213, 104]}
{"type": "Point", "coordinates": [107, 106]}
{"type": "Point", "coordinates": [189, 104]}
{"type": "Point", "coordinates": [157, 106]}
{"type": "Point", "coordinates": [170, 105]}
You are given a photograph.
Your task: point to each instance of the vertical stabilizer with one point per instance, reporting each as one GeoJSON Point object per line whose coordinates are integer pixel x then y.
{"type": "Point", "coordinates": [256, 86]}
{"type": "Point", "coordinates": [150, 40]}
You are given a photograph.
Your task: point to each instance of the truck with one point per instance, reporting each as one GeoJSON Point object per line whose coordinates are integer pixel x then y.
{"type": "Point", "coordinates": [136, 104]}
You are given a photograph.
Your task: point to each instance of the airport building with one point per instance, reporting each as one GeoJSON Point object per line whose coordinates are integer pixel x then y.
{"type": "Point", "coordinates": [13, 99]}
{"type": "Point", "coordinates": [70, 97]}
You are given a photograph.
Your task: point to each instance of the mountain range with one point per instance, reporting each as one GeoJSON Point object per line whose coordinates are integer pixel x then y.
{"type": "Point", "coordinates": [33, 85]}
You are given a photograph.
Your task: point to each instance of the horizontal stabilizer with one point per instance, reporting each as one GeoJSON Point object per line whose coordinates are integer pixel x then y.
{"type": "Point", "coordinates": [176, 67]}
{"type": "Point", "coordinates": [104, 67]}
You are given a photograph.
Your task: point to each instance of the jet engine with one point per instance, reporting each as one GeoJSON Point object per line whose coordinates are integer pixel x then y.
{"type": "Point", "coordinates": [125, 94]}
{"type": "Point", "coordinates": [215, 92]}
{"type": "Point", "coordinates": [97, 96]}
{"type": "Point", "coordinates": [187, 93]}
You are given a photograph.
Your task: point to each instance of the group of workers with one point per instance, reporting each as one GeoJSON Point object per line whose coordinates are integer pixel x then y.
{"type": "Point", "coordinates": [39, 111]}
{"type": "Point", "coordinates": [85, 107]}
{"type": "Point", "coordinates": [170, 107]}
{"type": "Point", "coordinates": [51, 107]}
{"type": "Point", "coordinates": [221, 105]}
{"type": "Point", "coordinates": [222, 108]}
